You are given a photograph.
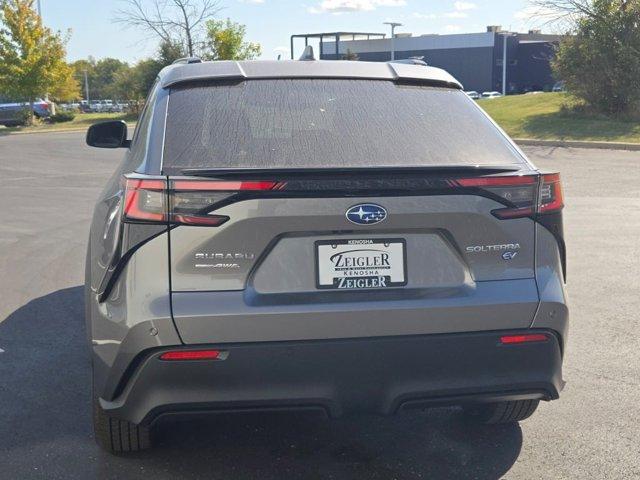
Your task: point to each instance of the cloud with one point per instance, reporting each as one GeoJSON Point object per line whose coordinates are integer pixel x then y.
{"type": "Point", "coordinates": [424, 16]}
{"type": "Point", "coordinates": [460, 11]}
{"type": "Point", "coordinates": [461, 6]}
{"type": "Point", "coordinates": [452, 28]}
{"type": "Point", "coordinates": [455, 14]}
{"type": "Point", "coordinates": [345, 6]}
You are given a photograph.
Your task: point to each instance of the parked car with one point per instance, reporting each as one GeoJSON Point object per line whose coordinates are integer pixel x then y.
{"type": "Point", "coordinates": [95, 106]}
{"type": "Point", "coordinates": [491, 95]}
{"type": "Point", "coordinates": [69, 107]}
{"type": "Point", "coordinates": [473, 94]}
{"type": "Point", "coordinates": [316, 235]}
{"type": "Point", "coordinates": [111, 107]}
{"type": "Point", "coordinates": [105, 106]}
{"type": "Point", "coordinates": [13, 113]}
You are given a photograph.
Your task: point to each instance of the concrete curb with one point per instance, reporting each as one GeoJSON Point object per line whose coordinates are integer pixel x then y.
{"type": "Point", "coordinates": [62, 130]}
{"type": "Point", "coordinates": [578, 144]}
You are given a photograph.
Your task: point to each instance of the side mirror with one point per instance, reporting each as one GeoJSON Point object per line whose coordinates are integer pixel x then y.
{"type": "Point", "coordinates": [112, 134]}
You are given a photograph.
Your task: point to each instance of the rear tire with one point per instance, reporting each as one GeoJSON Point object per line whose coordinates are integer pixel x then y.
{"type": "Point", "coordinates": [118, 436]}
{"type": "Point", "coordinates": [502, 412]}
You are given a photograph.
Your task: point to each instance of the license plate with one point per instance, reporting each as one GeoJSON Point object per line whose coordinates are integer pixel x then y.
{"type": "Point", "coordinates": [358, 264]}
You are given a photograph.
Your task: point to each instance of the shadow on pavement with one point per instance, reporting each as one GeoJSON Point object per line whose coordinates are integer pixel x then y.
{"type": "Point", "coordinates": [45, 423]}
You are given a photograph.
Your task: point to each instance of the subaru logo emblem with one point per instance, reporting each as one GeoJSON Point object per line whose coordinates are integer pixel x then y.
{"type": "Point", "coordinates": [366, 214]}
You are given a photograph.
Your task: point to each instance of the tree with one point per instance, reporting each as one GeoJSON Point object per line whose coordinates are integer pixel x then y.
{"type": "Point", "coordinates": [88, 66]}
{"type": "Point", "coordinates": [174, 22]}
{"type": "Point", "coordinates": [169, 52]}
{"type": "Point", "coordinates": [104, 73]}
{"type": "Point", "coordinates": [32, 57]}
{"type": "Point", "coordinates": [134, 84]}
{"type": "Point", "coordinates": [564, 13]}
{"type": "Point", "coordinates": [600, 61]}
{"type": "Point", "coordinates": [64, 87]}
{"type": "Point", "coordinates": [350, 55]}
{"type": "Point", "coordinates": [225, 41]}
{"type": "Point", "coordinates": [145, 73]}
{"type": "Point", "coordinates": [101, 75]}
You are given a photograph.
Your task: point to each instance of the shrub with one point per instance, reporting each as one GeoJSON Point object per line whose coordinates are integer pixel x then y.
{"type": "Point", "coordinates": [62, 117]}
{"type": "Point", "coordinates": [600, 63]}
{"type": "Point", "coordinates": [23, 117]}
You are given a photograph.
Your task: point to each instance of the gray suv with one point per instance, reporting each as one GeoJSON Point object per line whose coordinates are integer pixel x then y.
{"type": "Point", "coordinates": [332, 235]}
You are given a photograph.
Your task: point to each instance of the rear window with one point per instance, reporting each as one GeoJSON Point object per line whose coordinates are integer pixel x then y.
{"type": "Point", "coordinates": [309, 123]}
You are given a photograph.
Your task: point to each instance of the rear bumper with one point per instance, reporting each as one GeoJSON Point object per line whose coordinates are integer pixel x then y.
{"type": "Point", "coordinates": [381, 375]}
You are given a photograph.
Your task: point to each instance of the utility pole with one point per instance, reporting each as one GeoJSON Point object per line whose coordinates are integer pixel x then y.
{"type": "Point", "coordinates": [393, 37]}
{"type": "Point", "coordinates": [86, 87]}
{"type": "Point", "coordinates": [46, 95]}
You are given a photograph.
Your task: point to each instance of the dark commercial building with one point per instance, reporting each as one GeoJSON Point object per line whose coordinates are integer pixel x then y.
{"type": "Point", "coordinates": [475, 59]}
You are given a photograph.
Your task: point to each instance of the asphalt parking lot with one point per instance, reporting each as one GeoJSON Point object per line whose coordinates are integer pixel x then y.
{"type": "Point", "coordinates": [49, 183]}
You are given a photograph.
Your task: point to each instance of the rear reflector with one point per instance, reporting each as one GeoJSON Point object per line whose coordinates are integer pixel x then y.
{"type": "Point", "coordinates": [525, 338]}
{"type": "Point", "coordinates": [177, 355]}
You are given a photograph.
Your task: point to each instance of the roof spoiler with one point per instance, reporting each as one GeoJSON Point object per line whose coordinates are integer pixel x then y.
{"type": "Point", "coordinates": [231, 70]}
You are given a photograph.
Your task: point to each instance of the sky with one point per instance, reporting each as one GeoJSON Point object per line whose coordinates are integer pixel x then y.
{"type": "Point", "coordinates": [271, 22]}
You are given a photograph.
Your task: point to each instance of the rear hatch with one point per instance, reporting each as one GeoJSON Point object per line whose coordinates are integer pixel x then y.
{"type": "Point", "coordinates": [313, 209]}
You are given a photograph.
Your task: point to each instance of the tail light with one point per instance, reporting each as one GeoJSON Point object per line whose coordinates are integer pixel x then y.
{"type": "Point", "coordinates": [526, 195]}
{"type": "Point", "coordinates": [145, 200]}
{"type": "Point", "coordinates": [551, 198]}
{"type": "Point", "coordinates": [186, 202]}
{"type": "Point", "coordinates": [193, 201]}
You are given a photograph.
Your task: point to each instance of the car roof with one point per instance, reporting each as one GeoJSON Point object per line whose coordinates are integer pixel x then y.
{"type": "Point", "coordinates": [259, 69]}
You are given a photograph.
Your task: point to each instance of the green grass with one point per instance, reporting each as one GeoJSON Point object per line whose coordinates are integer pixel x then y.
{"type": "Point", "coordinates": [522, 116]}
{"type": "Point", "coordinates": [540, 117]}
{"type": "Point", "coordinates": [81, 121]}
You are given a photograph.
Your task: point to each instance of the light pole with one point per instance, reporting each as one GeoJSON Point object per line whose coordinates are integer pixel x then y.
{"type": "Point", "coordinates": [393, 36]}
{"type": "Point", "coordinates": [505, 36]}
